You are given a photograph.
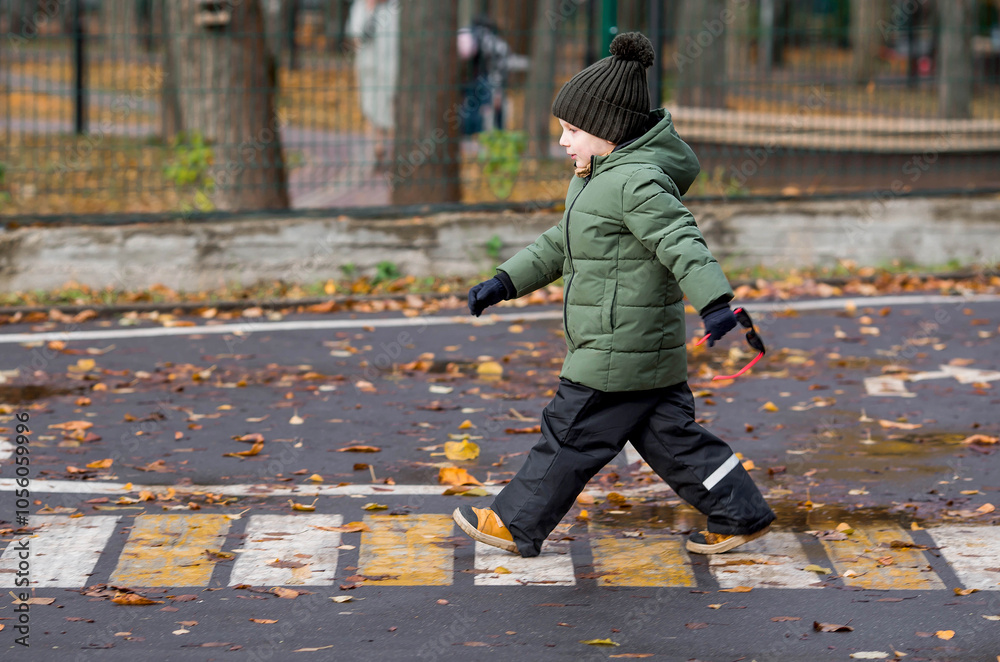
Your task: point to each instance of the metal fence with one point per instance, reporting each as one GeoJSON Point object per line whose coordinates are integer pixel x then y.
{"type": "Point", "coordinates": [148, 107]}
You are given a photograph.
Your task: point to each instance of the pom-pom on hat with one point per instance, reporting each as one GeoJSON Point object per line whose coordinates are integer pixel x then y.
{"type": "Point", "coordinates": [610, 98]}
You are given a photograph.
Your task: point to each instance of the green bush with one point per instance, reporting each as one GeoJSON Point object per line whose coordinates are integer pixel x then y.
{"type": "Point", "coordinates": [501, 157]}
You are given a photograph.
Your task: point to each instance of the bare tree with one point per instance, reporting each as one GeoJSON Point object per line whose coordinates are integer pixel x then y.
{"type": "Point", "coordinates": [426, 168]}
{"type": "Point", "coordinates": [224, 79]}
{"type": "Point", "coordinates": [514, 19]}
{"type": "Point", "coordinates": [700, 54]}
{"type": "Point", "coordinates": [541, 78]}
{"type": "Point", "coordinates": [739, 40]}
{"type": "Point", "coordinates": [955, 68]}
{"type": "Point", "coordinates": [865, 16]}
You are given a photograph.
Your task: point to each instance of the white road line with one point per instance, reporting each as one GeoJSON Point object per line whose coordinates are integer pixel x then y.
{"type": "Point", "coordinates": [553, 567]}
{"type": "Point", "coordinates": [242, 328]}
{"type": "Point", "coordinates": [288, 540]}
{"type": "Point", "coordinates": [63, 552]}
{"type": "Point", "coordinates": [973, 552]}
{"type": "Point", "coordinates": [107, 487]}
{"type": "Point", "coordinates": [777, 560]}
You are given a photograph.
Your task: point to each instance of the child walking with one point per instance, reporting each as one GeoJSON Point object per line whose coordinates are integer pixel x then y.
{"type": "Point", "coordinates": [628, 251]}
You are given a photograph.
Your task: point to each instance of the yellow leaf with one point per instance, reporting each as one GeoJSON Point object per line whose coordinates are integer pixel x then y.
{"type": "Point", "coordinates": [598, 642]}
{"type": "Point", "coordinates": [101, 464]}
{"type": "Point", "coordinates": [490, 369]}
{"type": "Point", "coordinates": [466, 424]}
{"type": "Point", "coordinates": [749, 465]}
{"type": "Point", "coordinates": [944, 634]}
{"type": "Point", "coordinates": [374, 506]}
{"type": "Point", "coordinates": [844, 527]}
{"type": "Point", "coordinates": [475, 492]}
{"type": "Point", "coordinates": [584, 515]}
{"type": "Point", "coordinates": [456, 476]}
{"type": "Point", "coordinates": [770, 406]}
{"type": "Point", "coordinates": [812, 567]}
{"type": "Point", "coordinates": [316, 478]}
{"type": "Point", "coordinates": [256, 448]}
{"type": "Point", "coordinates": [737, 589]}
{"type": "Point", "coordinates": [83, 365]}
{"type": "Point", "coordinates": [965, 591]}
{"type": "Point", "coordinates": [461, 450]}
{"type": "Point", "coordinates": [302, 506]}
{"type": "Point", "coordinates": [915, 527]}
{"type": "Point", "coordinates": [500, 570]}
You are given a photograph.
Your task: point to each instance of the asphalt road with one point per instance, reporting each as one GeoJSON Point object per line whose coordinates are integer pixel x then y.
{"type": "Point", "coordinates": [213, 539]}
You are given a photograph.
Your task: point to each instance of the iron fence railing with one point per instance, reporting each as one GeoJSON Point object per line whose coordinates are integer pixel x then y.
{"type": "Point", "coordinates": [138, 107]}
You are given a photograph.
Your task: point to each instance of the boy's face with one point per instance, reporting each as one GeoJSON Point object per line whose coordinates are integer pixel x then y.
{"type": "Point", "coordinates": [581, 145]}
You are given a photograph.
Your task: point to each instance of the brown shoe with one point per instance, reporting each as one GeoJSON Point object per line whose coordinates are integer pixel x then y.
{"type": "Point", "coordinates": [706, 542]}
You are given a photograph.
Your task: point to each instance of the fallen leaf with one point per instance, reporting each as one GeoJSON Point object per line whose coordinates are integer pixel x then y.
{"type": "Point", "coordinates": [316, 478]}
{"type": "Point", "coordinates": [461, 450]}
{"type": "Point", "coordinates": [769, 406]}
{"type": "Point", "coordinates": [456, 476]}
{"type": "Point", "coordinates": [944, 634]}
{"type": "Point", "coordinates": [134, 599]}
{"type": "Point", "coordinates": [500, 570]}
{"type": "Point", "coordinates": [831, 627]}
{"type": "Point", "coordinates": [306, 507]}
{"type": "Point", "coordinates": [534, 429]}
{"type": "Point", "coordinates": [737, 589]}
{"type": "Point", "coordinates": [490, 369]}
{"type": "Point", "coordinates": [598, 642]}
{"type": "Point", "coordinates": [782, 619]}
{"type": "Point", "coordinates": [812, 567]}
{"type": "Point", "coordinates": [296, 420]}
{"type": "Point", "coordinates": [465, 425]}
{"type": "Point", "coordinates": [991, 618]}
{"type": "Point", "coordinates": [986, 508]}
{"type": "Point", "coordinates": [263, 620]}
{"type": "Point", "coordinates": [966, 591]}
{"type": "Point", "coordinates": [716, 606]}
{"type": "Point", "coordinates": [869, 655]}
{"type": "Point", "coordinates": [286, 593]}
{"type": "Point", "coordinates": [256, 448]}
{"type": "Point", "coordinates": [350, 527]}
{"type": "Point", "coordinates": [899, 426]}
{"type": "Point", "coordinates": [342, 598]}
{"type": "Point", "coordinates": [312, 650]}
{"type": "Point", "coordinates": [359, 449]}
{"type": "Point", "coordinates": [374, 506]}
{"type": "Point", "coordinates": [220, 556]}
{"type": "Point", "coordinates": [974, 439]}
{"type": "Point", "coordinates": [696, 626]}
{"type": "Point", "coordinates": [101, 464]}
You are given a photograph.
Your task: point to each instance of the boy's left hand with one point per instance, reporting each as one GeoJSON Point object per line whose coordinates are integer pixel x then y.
{"type": "Point", "coordinates": [718, 322]}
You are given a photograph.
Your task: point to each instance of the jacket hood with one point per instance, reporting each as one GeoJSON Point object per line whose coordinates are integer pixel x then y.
{"type": "Point", "coordinates": [660, 146]}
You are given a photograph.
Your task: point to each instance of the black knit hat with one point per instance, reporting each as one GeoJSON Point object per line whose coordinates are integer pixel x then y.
{"type": "Point", "coordinates": [610, 98]}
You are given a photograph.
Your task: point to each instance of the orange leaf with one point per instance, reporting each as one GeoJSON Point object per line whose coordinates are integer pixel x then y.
{"type": "Point", "coordinates": [101, 464]}
{"type": "Point", "coordinates": [456, 476]}
{"type": "Point", "coordinates": [256, 448]}
{"type": "Point", "coordinates": [534, 429]}
{"type": "Point", "coordinates": [286, 593]}
{"type": "Point", "coordinates": [944, 634]}
{"type": "Point", "coordinates": [737, 589]}
{"type": "Point", "coordinates": [350, 527]}
{"type": "Point", "coordinates": [359, 449]}
{"type": "Point", "coordinates": [264, 620]}
{"type": "Point", "coordinates": [251, 438]}
{"type": "Point", "coordinates": [133, 599]}
{"type": "Point", "coordinates": [73, 425]}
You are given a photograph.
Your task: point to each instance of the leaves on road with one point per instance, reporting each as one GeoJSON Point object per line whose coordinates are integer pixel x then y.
{"type": "Point", "coordinates": [831, 627]}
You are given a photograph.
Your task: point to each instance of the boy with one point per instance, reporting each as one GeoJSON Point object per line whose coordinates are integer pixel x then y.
{"type": "Point", "coordinates": [628, 251]}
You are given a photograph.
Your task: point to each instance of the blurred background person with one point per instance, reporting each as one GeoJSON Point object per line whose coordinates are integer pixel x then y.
{"type": "Point", "coordinates": [487, 59]}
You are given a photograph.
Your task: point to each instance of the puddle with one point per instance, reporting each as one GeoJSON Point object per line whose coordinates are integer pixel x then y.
{"type": "Point", "coordinates": [17, 394]}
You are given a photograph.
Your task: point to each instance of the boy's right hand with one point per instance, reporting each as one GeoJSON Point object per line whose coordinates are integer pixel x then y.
{"type": "Point", "coordinates": [486, 294]}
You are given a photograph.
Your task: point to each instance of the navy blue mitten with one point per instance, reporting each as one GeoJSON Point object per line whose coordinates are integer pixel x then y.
{"type": "Point", "coordinates": [719, 320]}
{"type": "Point", "coordinates": [486, 294]}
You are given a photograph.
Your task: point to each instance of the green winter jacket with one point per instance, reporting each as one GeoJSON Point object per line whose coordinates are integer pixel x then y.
{"type": "Point", "coordinates": [628, 251]}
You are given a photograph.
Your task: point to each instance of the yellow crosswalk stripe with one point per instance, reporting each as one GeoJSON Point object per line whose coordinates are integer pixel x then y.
{"type": "Point", "coordinates": [656, 559]}
{"type": "Point", "coordinates": [407, 550]}
{"type": "Point", "coordinates": [169, 550]}
{"type": "Point", "coordinates": [867, 559]}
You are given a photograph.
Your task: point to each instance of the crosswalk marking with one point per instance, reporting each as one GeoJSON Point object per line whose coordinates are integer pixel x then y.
{"type": "Point", "coordinates": [63, 551]}
{"type": "Point", "coordinates": [972, 552]}
{"type": "Point", "coordinates": [407, 550]}
{"type": "Point", "coordinates": [868, 560]}
{"type": "Point", "coordinates": [774, 561]}
{"type": "Point", "coordinates": [288, 550]}
{"type": "Point", "coordinates": [553, 567]}
{"type": "Point", "coordinates": [169, 550]}
{"type": "Point", "coordinates": [655, 559]}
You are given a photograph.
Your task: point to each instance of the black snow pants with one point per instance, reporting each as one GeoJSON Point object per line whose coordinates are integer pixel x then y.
{"type": "Point", "coordinates": [583, 429]}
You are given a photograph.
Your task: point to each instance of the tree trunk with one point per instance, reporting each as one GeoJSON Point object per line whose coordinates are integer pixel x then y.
{"type": "Point", "coordinates": [865, 35]}
{"type": "Point", "coordinates": [541, 79]}
{"type": "Point", "coordinates": [955, 70]}
{"type": "Point", "coordinates": [514, 18]}
{"type": "Point", "coordinates": [630, 15]}
{"type": "Point", "coordinates": [120, 27]}
{"type": "Point", "coordinates": [738, 41]}
{"type": "Point", "coordinates": [277, 18]}
{"type": "Point", "coordinates": [426, 168]}
{"type": "Point", "coordinates": [225, 81]}
{"type": "Point", "coordinates": [701, 54]}
{"type": "Point", "coordinates": [22, 18]}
